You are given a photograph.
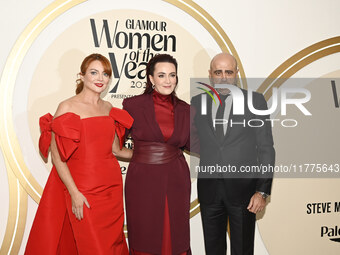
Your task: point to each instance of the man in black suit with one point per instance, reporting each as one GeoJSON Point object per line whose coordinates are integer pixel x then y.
{"type": "Point", "coordinates": [237, 145]}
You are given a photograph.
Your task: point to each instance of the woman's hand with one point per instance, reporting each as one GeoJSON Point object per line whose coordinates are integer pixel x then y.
{"type": "Point", "coordinates": [123, 153]}
{"type": "Point", "coordinates": [78, 200]}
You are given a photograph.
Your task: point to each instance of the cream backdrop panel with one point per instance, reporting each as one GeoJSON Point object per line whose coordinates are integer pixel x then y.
{"type": "Point", "coordinates": [264, 33]}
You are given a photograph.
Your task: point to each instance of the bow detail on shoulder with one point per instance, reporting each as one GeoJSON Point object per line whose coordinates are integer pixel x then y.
{"type": "Point", "coordinates": [45, 123]}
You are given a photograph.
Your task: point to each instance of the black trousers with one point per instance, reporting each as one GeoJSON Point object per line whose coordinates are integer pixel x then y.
{"type": "Point", "coordinates": [215, 220]}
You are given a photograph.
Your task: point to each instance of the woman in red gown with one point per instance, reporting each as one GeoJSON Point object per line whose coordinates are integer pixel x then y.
{"type": "Point", "coordinates": [81, 209]}
{"type": "Point", "coordinates": [157, 186]}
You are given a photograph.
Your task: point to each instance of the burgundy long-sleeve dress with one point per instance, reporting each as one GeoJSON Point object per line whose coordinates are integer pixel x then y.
{"type": "Point", "coordinates": [158, 195]}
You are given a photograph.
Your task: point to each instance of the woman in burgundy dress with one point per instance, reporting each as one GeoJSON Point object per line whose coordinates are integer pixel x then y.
{"type": "Point", "coordinates": [81, 209]}
{"type": "Point", "coordinates": [157, 187]}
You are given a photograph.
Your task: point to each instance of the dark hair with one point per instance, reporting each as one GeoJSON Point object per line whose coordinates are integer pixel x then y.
{"type": "Point", "coordinates": [85, 64]}
{"type": "Point", "coordinates": [150, 68]}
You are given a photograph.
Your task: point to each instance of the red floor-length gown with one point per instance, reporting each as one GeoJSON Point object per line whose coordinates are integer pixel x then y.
{"type": "Point", "coordinates": [164, 116]}
{"type": "Point", "coordinates": [86, 146]}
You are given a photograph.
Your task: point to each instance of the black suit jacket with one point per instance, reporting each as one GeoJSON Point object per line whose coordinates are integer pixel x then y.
{"type": "Point", "coordinates": [242, 146]}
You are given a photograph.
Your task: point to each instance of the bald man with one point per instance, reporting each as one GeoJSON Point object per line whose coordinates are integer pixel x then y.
{"type": "Point", "coordinates": [234, 144]}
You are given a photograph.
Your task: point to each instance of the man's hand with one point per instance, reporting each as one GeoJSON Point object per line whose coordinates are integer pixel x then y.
{"type": "Point", "coordinates": [257, 203]}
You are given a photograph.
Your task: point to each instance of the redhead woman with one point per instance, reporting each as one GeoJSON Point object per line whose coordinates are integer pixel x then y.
{"type": "Point", "coordinates": [81, 209]}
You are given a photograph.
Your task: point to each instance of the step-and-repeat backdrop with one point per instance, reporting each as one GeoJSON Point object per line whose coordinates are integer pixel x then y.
{"type": "Point", "coordinates": [287, 50]}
